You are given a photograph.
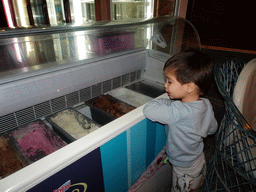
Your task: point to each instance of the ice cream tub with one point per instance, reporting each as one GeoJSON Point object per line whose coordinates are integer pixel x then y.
{"type": "Point", "coordinates": [106, 108]}
{"type": "Point", "coordinates": [112, 42]}
{"type": "Point", "coordinates": [71, 125]}
{"type": "Point", "coordinates": [131, 97]}
{"type": "Point", "coordinates": [36, 140]}
{"type": "Point", "coordinates": [11, 158]}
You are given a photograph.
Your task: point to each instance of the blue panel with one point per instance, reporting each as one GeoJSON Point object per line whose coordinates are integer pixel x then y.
{"type": "Point", "coordinates": [114, 164]}
{"type": "Point", "coordinates": [138, 143]}
{"type": "Point", "coordinates": [151, 141]}
{"type": "Point", "coordinates": [160, 138]}
{"type": "Point", "coordinates": [126, 157]}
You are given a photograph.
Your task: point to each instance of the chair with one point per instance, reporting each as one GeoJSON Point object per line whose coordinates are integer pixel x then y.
{"type": "Point", "coordinates": [233, 166]}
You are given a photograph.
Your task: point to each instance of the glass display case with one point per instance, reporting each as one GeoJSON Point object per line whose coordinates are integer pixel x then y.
{"type": "Point", "coordinates": [25, 51]}
{"type": "Point", "coordinates": [48, 70]}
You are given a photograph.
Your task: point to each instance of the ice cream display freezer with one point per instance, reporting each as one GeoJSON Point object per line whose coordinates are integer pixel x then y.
{"type": "Point", "coordinates": [48, 72]}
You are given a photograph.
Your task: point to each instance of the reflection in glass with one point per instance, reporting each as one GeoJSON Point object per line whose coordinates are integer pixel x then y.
{"type": "Point", "coordinates": [132, 9]}
{"type": "Point", "coordinates": [54, 49]}
{"type": "Point", "coordinates": [56, 12]}
{"type": "Point", "coordinates": [57, 47]}
{"type": "Point", "coordinates": [82, 45]}
{"type": "Point", "coordinates": [40, 15]}
{"type": "Point", "coordinates": [75, 46]}
{"type": "Point", "coordinates": [76, 12]}
{"type": "Point", "coordinates": [8, 13]}
{"type": "Point", "coordinates": [46, 51]}
{"type": "Point", "coordinates": [17, 50]}
{"type": "Point", "coordinates": [29, 48]}
{"type": "Point", "coordinates": [21, 12]}
{"type": "Point", "coordinates": [51, 12]}
{"type": "Point", "coordinates": [59, 11]}
{"type": "Point", "coordinates": [178, 35]}
{"type": "Point", "coordinates": [65, 50]}
{"type": "Point", "coordinates": [88, 11]}
{"type": "Point", "coordinates": [82, 11]}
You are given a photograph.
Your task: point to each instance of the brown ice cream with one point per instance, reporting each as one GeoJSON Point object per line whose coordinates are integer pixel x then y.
{"type": "Point", "coordinates": [113, 107]}
{"type": "Point", "coordinates": [10, 161]}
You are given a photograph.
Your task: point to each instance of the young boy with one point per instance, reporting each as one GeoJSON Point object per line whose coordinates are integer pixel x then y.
{"type": "Point", "coordinates": [188, 117]}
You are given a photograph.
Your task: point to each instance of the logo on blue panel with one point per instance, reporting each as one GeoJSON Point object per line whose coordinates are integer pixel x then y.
{"type": "Point", "coordinates": [64, 187]}
{"type": "Point", "coordinates": [68, 185]}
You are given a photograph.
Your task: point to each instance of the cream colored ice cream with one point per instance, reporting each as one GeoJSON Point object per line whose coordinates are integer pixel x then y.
{"type": "Point", "coordinates": [74, 124]}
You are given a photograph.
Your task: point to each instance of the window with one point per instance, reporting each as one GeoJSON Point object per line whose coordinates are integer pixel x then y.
{"type": "Point", "coordinates": [82, 11]}
{"type": "Point", "coordinates": [132, 9]}
{"type": "Point", "coordinates": [21, 13]}
{"type": "Point", "coordinates": [26, 13]}
{"type": "Point", "coordinates": [55, 11]}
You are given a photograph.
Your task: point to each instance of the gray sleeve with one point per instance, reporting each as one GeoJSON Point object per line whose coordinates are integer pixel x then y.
{"type": "Point", "coordinates": [213, 126]}
{"type": "Point", "coordinates": [162, 110]}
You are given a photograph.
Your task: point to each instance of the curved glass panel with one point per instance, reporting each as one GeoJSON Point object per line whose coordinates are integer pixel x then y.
{"type": "Point", "coordinates": [174, 35]}
{"type": "Point", "coordinates": [40, 50]}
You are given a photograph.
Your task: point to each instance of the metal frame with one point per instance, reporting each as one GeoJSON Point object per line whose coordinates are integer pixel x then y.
{"type": "Point", "coordinates": [233, 167]}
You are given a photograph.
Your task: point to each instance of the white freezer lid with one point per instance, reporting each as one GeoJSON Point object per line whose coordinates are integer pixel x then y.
{"type": "Point", "coordinates": [35, 173]}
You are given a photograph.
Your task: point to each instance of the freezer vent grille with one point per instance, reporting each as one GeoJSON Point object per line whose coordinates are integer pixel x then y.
{"type": "Point", "coordinates": [116, 82]}
{"type": "Point", "coordinates": [85, 94]}
{"type": "Point", "coordinates": [133, 76]}
{"type": "Point", "coordinates": [138, 73]}
{"type": "Point", "coordinates": [96, 90]}
{"type": "Point", "coordinates": [58, 104]}
{"type": "Point", "coordinates": [106, 86]}
{"type": "Point", "coordinates": [125, 79]}
{"type": "Point", "coordinates": [27, 115]}
{"type": "Point", "coordinates": [8, 122]}
{"type": "Point", "coordinates": [42, 109]}
{"type": "Point", "coordinates": [72, 99]}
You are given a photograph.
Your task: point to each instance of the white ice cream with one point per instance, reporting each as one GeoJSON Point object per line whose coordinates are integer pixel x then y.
{"type": "Point", "coordinates": [74, 124]}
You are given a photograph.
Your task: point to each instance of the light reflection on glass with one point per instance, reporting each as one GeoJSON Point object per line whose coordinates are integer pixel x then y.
{"type": "Point", "coordinates": [36, 67]}
{"type": "Point", "coordinates": [57, 47]}
{"type": "Point", "coordinates": [54, 12]}
{"type": "Point", "coordinates": [150, 9]}
{"type": "Point", "coordinates": [76, 12]}
{"type": "Point", "coordinates": [28, 46]}
{"type": "Point", "coordinates": [149, 35]}
{"type": "Point", "coordinates": [17, 50]}
{"type": "Point", "coordinates": [21, 13]}
{"type": "Point", "coordinates": [25, 69]}
{"type": "Point", "coordinates": [132, 9]}
{"type": "Point", "coordinates": [81, 47]}
{"type": "Point", "coordinates": [8, 13]}
{"type": "Point", "coordinates": [51, 12]}
{"type": "Point", "coordinates": [65, 50]}
{"type": "Point", "coordinates": [30, 52]}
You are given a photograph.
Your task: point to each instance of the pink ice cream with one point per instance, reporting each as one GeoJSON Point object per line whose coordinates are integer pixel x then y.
{"type": "Point", "coordinates": [37, 141]}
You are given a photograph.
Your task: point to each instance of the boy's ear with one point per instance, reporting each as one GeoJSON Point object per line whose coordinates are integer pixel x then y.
{"type": "Point", "coordinates": [191, 87]}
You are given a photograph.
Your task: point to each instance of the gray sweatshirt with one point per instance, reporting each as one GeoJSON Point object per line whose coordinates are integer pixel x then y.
{"type": "Point", "coordinates": [187, 123]}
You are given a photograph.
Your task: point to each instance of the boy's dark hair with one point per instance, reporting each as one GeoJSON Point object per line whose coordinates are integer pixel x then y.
{"type": "Point", "coordinates": [192, 66]}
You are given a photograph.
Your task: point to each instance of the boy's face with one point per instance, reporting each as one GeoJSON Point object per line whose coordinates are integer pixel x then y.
{"type": "Point", "coordinates": [174, 89]}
